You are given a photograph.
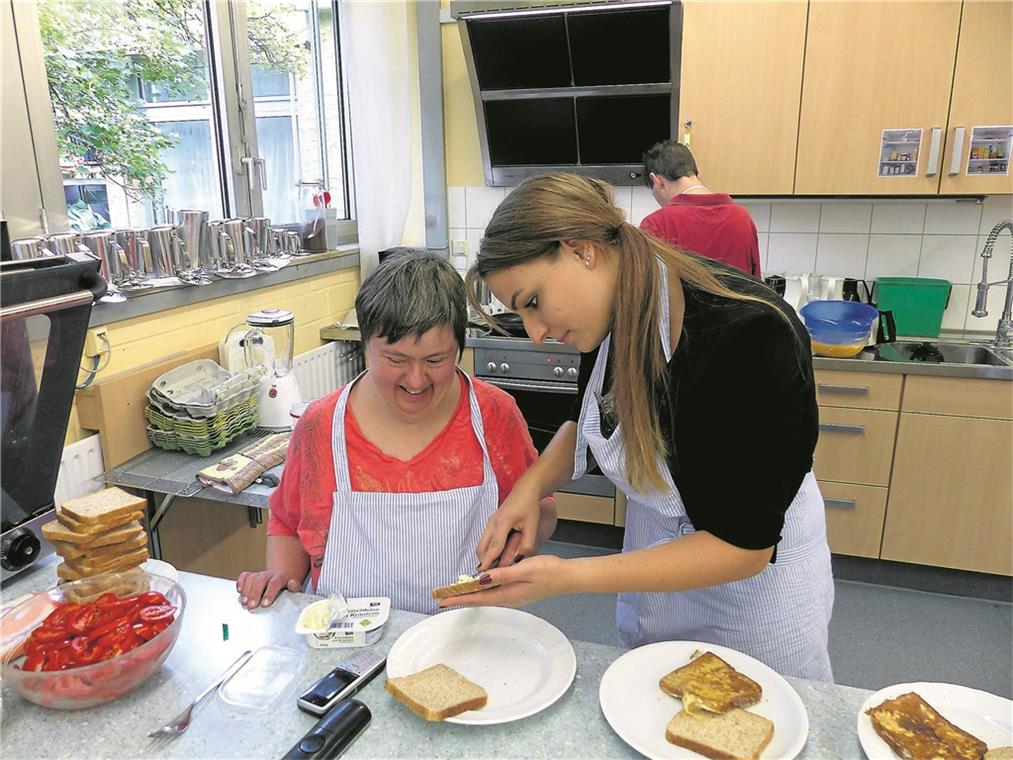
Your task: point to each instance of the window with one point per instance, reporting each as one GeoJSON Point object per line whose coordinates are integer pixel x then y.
{"type": "Point", "coordinates": [152, 104]}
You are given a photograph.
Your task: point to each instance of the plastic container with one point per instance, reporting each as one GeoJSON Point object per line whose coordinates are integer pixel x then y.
{"type": "Point", "coordinates": [263, 680]}
{"type": "Point", "coordinates": [361, 626]}
{"type": "Point", "coordinates": [91, 685]}
{"type": "Point", "coordinates": [917, 303]}
{"type": "Point", "coordinates": [839, 329]}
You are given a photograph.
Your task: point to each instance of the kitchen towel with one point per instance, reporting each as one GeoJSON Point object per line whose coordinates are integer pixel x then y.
{"type": "Point", "coordinates": [234, 473]}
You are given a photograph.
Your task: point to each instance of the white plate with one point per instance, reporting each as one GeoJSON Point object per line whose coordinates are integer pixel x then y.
{"type": "Point", "coordinates": [981, 714]}
{"type": "Point", "coordinates": [524, 663]}
{"type": "Point", "coordinates": [158, 567]}
{"type": "Point", "coordinates": [638, 710]}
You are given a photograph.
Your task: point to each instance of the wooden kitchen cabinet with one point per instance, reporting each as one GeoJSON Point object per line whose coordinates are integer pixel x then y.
{"type": "Point", "coordinates": [982, 92]}
{"type": "Point", "coordinates": [854, 517]}
{"type": "Point", "coordinates": [871, 66]}
{"type": "Point", "coordinates": [855, 445]}
{"type": "Point", "coordinates": [951, 494]}
{"type": "Point", "coordinates": [212, 538]}
{"type": "Point", "coordinates": [740, 82]}
{"type": "Point", "coordinates": [578, 506]}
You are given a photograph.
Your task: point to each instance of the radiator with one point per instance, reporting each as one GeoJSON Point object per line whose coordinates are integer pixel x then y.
{"type": "Point", "coordinates": [325, 369]}
{"type": "Point", "coordinates": [80, 464]}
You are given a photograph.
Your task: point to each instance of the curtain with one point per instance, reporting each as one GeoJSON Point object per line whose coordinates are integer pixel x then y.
{"type": "Point", "coordinates": [379, 42]}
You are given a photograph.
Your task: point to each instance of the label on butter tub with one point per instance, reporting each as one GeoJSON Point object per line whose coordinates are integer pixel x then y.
{"type": "Point", "coordinates": [361, 625]}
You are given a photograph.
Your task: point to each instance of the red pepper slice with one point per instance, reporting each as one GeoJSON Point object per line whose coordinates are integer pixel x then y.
{"type": "Point", "coordinates": [157, 612]}
{"type": "Point", "coordinates": [34, 663]}
{"type": "Point", "coordinates": [45, 633]}
{"type": "Point", "coordinates": [149, 598]}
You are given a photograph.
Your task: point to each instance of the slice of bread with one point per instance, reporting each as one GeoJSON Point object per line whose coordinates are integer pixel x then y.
{"type": "Point", "coordinates": [57, 531]}
{"type": "Point", "coordinates": [734, 735]}
{"type": "Point", "coordinates": [999, 753]}
{"type": "Point", "coordinates": [461, 587]}
{"type": "Point", "coordinates": [75, 551]}
{"type": "Point", "coordinates": [437, 693]}
{"type": "Point", "coordinates": [120, 582]}
{"type": "Point", "coordinates": [710, 683]}
{"type": "Point", "coordinates": [84, 529]}
{"type": "Point", "coordinates": [913, 728]}
{"type": "Point", "coordinates": [74, 571]}
{"type": "Point", "coordinates": [103, 507]}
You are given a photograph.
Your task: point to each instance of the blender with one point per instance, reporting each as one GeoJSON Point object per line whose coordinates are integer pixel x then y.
{"type": "Point", "coordinates": [270, 344]}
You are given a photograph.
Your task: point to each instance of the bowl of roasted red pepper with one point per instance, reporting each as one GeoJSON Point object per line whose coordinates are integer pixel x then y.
{"type": "Point", "coordinates": [101, 638]}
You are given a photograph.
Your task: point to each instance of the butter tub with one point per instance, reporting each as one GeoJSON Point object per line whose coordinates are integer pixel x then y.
{"type": "Point", "coordinates": [362, 624]}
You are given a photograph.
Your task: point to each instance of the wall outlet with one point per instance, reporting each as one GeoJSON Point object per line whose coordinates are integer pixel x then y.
{"type": "Point", "coordinates": [459, 247]}
{"type": "Point", "coordinates": [96, 341]}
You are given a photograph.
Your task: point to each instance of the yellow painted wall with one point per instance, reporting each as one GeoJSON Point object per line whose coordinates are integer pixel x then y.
{"type": "Point", "coordinates": [315, 301]}
{"type": "Point", "coordinates": [464, 156]}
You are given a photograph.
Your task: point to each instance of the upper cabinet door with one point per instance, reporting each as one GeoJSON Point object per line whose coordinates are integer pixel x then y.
{"type": "Point", "coordinates": [740, 85]}
{"type": "Point", "coordinates": [869, 67]}
{"type": "Point", "coordinates": [982, 96]}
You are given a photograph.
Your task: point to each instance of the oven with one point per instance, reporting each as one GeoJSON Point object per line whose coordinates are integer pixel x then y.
{"type": "Point", "coordinates": [43, 320]}
{"type": "Point", "coordinates": [542, 378]}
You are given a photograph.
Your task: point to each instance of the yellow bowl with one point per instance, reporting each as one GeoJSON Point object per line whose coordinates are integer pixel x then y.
{"type": "Point", "coordinates": [836, 350]}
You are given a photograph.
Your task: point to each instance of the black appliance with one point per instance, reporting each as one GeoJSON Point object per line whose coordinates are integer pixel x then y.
{"type": "Point", "coordinates": [542, 378]}
{"type": "Point", "coordinates": [582, 87]}
{"type": "Point", "coordinates": [46, 304]}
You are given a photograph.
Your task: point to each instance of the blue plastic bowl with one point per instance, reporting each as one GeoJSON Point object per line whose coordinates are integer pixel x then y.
{"type": "Point", "coordinates": [839, 322]}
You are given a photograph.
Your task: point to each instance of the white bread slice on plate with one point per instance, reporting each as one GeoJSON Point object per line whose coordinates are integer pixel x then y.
{"type": "Point", "coordinates": [735, 735]}
{"type": "Point", "coordinates": [469, 586]}
{"type": "Point", "coordinates": [437, 693]}
{"type": "Point", "coordinates": [103, 507]}
{"type": "Point", "coordinates": [57, 531]}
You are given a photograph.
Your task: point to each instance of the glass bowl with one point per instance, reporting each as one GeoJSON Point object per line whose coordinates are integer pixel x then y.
{"type": "Point", "coordinates": [89, 685]}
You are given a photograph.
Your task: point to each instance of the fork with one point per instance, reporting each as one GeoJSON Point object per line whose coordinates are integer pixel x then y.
{"type": "Point", "coordinates": [181, 722]}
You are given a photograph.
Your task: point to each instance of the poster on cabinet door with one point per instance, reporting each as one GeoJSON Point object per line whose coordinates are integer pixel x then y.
{"type": "Point", "coordinates": [898, 152]}
{"type": "Point", "coordinates": [989, 153]}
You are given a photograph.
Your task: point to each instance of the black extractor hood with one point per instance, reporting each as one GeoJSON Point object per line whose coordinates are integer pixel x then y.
{"type": "Point", "coordinates": [582, 87]}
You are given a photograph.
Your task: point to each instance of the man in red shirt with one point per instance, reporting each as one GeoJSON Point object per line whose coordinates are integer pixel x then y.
{"type": "Point", "coordinates": [692, 217]}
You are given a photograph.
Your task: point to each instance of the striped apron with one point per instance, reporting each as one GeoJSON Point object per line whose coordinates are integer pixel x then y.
{"type": "Point", "coordinates": [779, 616]}
{"type": "Point", "coordinates": [403, 545]}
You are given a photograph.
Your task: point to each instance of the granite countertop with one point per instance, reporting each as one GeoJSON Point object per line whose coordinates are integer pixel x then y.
{"type": "Point", "coordinates": [572, 727]}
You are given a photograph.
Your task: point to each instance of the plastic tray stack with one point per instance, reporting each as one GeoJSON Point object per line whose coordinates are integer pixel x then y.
{"type": "Point", "coordinates": [200, 407]}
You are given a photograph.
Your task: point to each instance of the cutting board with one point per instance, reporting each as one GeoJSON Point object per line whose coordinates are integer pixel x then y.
{"type": "Point", "coordinates": [114, 406]}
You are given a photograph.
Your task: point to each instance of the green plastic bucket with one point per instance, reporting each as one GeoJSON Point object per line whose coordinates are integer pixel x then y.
{"type": "Point", "coordinates": [917, 303]}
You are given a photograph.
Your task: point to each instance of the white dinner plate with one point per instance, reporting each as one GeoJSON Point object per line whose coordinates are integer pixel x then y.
{"type": "Point", "coordinates": [524, 663]}
{"type": "Point", "coordinates": [638, 710]}
{"type": "Point", "coordinates": [981, 714]}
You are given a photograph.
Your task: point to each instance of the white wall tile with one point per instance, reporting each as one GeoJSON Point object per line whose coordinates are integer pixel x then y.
{"type": "Point", "coordinates": [842, 216]}
{"type": "Point", "coordinates": [958, 309]}
{"type": "Point", "coordinates": [480, 203]}
{"type": "Point", "coordinates": [949, 257]}
{"type": "Point", "coordinates": [455, 207]}
{"type": "Point", "coordinates": [474, 239]}
{"type": "Point", "coordinates": [624, 200]}
{"type": "Point", "coordinates": [761, 239]}
{"type": "Point", "coordinates": [952, 218]}
{"type": "Point", "coordinates": [893, 256]}
{"type": "Point", "coordinates": [843, 255]}
{"type": "Point", "coordinates": [761, 215]}
{"type": "Point", "coordinates": [794, 217]}
{"type": "Point", "coordinates": [995, 209]}
{"type": "Point", "coordinates": [643, 203]}
{"type": "Point", "coordinates": [898, 217]}
{"type": "Point", "coordinates": [792, 253]}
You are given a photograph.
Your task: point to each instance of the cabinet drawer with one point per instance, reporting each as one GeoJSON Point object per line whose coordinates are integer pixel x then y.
{"type": "Point", "coordinates": [959, 396]}
{"type": "Point", "coordinates": [578, 506]}
{"type": "Point", "coordinates": [855, 445]}
{"type": "Point", "coordinates": [854, 517]}
{"type": "Point", "coordinates": [861, 390]}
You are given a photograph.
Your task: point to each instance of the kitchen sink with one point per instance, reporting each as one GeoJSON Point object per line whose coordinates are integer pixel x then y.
{"type": "Point", "coordinates": [948, 353]}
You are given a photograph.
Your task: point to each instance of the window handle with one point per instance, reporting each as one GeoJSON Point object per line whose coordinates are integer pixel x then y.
{"type": "Point", "coordinates": [255, 164]}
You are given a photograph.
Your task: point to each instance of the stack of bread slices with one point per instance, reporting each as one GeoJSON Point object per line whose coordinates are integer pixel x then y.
{"type": "Point", "coordinates": [98, 533]}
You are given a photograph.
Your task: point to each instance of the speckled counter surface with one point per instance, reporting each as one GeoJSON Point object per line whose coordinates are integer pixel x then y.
{"type": "Point", "coordinates": [571, 728]}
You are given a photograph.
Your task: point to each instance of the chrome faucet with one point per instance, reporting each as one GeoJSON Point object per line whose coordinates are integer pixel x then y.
{"type": "Point", "coordinates": [1004, 333]}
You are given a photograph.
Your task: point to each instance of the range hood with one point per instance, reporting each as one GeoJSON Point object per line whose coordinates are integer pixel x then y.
{"type": "Point", "coordinates": [579, 87]}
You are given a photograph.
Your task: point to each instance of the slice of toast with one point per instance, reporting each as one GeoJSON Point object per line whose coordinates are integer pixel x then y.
{"type": "Point", "coordinates": [709, 683]}
{"type": "Point", "coordinates": [103, 507]}
{"type": "Point", "coordinates": [74, 571]}
{"type": "Point", "coordinates": [734, 735]}
{"type": "Point", "coordinates": [462, 586]}
{"type": "Point", "coordinates": [57, 531]}
{"type": "Point", "coordinates": [913, 729]}
{"type": "Point", "coordinates": [84, 529]}
{"type": "Point", "coordinates": [437, 693]}
{"type": "Point", "coordinates": [75, 551]}
{"type": "Point", "coordinates": [999, 753]}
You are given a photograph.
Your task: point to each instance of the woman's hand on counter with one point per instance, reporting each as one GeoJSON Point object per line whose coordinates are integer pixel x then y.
{"type": "Point", "coordinates": [261, 589]}
{"type": "Point", "coordinates": [535, 578]}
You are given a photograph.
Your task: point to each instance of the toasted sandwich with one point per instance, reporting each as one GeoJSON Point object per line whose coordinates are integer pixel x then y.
{"type": "Point", "coordinates": [709, 683]}
{"type": "Point", "coordinates": [913, 729]}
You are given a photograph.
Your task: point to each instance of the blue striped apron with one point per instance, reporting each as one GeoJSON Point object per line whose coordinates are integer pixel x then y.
{"type": "Point", "coordinates": [779, 616]}
{"type": "Point", "coordinates": [403, 545]}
